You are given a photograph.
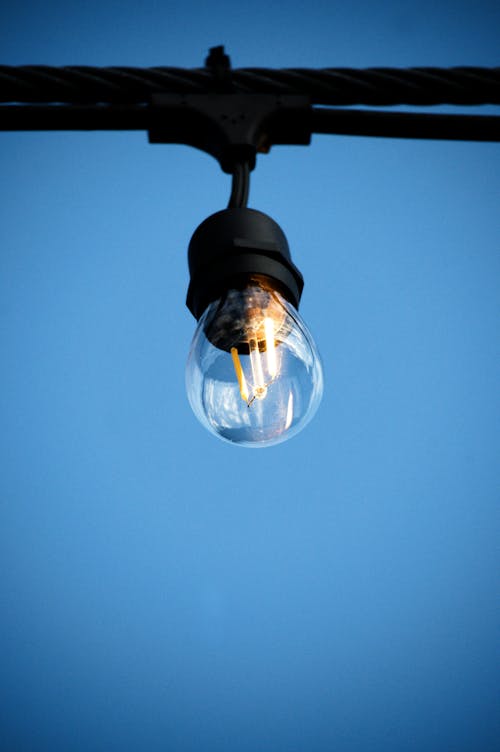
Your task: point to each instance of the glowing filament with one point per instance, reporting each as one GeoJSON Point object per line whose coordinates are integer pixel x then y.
{"type": "Point", "coordinates": [260, 367]}
{"type": "Point", "coordinates": [239, 374]}
{"type": "Point", "coordinates": [259, 382]}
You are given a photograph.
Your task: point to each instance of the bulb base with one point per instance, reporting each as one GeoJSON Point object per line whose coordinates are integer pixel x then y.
{"type": "Point", "coordinates": [232, 246]}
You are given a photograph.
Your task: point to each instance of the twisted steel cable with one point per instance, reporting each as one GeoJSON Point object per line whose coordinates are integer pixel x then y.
{"type": "Point", "coordinates": [328, 86]}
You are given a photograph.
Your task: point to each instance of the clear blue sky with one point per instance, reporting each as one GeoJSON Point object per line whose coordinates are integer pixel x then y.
{"type": "Point", "coordinates": [161, 590]}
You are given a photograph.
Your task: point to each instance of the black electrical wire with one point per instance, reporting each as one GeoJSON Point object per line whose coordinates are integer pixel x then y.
{"type": "Point", "coordinates": [419, 86]}
{"type": "Point", "coordinates": [406, 125]}
{"type": "Point", "coordinates": [120, 98]}
{"type": "Point", "coordinates": [240, 186]}
{"type": "Point", "coordinates": [328, 121]}
{"type": "Point", "coordinates": [70, 117]}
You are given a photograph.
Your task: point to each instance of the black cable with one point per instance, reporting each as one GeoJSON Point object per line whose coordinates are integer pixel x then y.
{"type": "Point", "coordinates": [406, 125]}
{"type": "Point", "coordinates": [334, 121]}
{"type": "Point", "coordinates": [328, 86]}
{"type": "Point", "coordinates": [235, 188]}
{"type": "Point", "coordinates": [329, 121]}
{"type": "Point", "coordinates": [72, 117]}
{"type": "Point", "coordinates": [245, 187]}
{"type": "Point", "coordinates": [240, 186]}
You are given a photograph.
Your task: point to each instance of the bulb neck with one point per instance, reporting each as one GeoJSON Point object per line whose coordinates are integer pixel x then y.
{"type": "Point", "coordinates": [235, 245]}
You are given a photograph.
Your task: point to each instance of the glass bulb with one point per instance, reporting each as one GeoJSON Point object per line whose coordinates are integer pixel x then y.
{"type": "Point", "coordinates": [253, 374]}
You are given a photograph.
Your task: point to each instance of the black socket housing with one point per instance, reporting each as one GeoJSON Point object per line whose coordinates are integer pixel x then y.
{"type": "Point", "coordinates": [232, 246]}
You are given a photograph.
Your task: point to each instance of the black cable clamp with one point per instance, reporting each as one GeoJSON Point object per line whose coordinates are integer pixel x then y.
{"type": "Point", "coordinates": [219, 64]}
{"type": "Point", "coordinates": [233, 128]}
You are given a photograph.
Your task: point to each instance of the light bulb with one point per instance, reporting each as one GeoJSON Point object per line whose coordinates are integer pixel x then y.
{"type": "Point", "coordinates": [253, 374]}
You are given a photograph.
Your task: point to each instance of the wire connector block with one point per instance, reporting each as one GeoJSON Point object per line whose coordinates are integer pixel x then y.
{"type": "Point", "coordinates": [233, 128]}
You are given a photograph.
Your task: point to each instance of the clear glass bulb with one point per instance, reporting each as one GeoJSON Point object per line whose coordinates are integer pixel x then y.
{"type": "Point", "coordinates": [253, 374]}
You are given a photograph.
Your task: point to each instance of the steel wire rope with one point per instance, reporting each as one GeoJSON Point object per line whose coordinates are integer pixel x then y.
{"type": "Point", "coordinates": [422, 86]}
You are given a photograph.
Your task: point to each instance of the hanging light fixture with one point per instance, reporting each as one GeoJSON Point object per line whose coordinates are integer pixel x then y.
{"type": "Point", "coordinates": [253, 374]}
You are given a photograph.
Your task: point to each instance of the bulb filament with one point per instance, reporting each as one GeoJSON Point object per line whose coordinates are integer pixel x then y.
{"type": "Point", "coordinates": [242, 383]}
{"type": "Point", "coordinates": [259, 383]}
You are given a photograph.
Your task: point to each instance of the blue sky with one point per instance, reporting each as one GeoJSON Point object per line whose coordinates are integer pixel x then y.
{"type": "Point", "coordinates": [161, 590]}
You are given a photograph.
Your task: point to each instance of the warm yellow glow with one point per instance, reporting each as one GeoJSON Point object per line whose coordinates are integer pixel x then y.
{"type": "Point", "coordinates": [259, 382]}
{"type": "Point", "coordinates": [263, 370]}
{"type": "Point", "coordinates": [272, 365]}
{"type": "Point", "coordinates": [239, 374]}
